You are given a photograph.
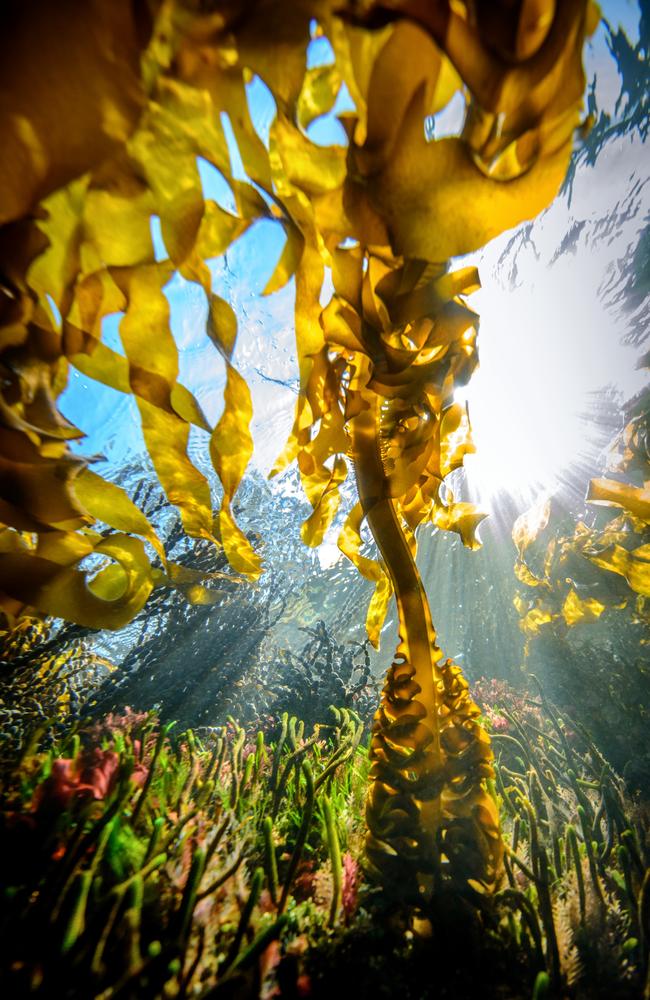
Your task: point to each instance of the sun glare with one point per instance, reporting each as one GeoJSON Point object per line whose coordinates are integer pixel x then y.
{"type": "Point", "coordinates": [546, 347]}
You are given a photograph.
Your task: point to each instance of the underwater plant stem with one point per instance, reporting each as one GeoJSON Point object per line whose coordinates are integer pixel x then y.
{"type": "Point", "coordinates": [255, 948]}
{"type": "Point", "coordinates": [76, 924]}
{"type": "Point", "coordinates": [546, 913]}
{"type": "Point", "coordinates": [277, 756]}
{"type": "Point", "coordinates": [154, 839]}
{"type": "Point", "coordinates": [628, 837]}
{"type": "Point", "coordinates": [570, 757]}
{"type": "Point", "coordinates": [591, 857]}
{"type": "Point", "coordinates": [644, 924]}
{"type": "Point", "coordinates": [308, 812]}
{"type": "Point", "coordinates": [504, 792]}
{"type": "Point", "coordinates": [573, 851]}
{"type": "Point", "coordinates": [260, 755]}
{"type": "Point", "coordinates": [84, 880]}
{"type": "Point", "coordinates": [80, 847]}
{"type": "Point", "coordinates": [220, 879]}
{"type": "Point", "coordinates": [244, 920]}
{"type": "Point", "coordinates": [96, 964]}
{"type": "Point", "coordinates": [189, 900]}
{"type": "Point", "coordinates": [133, 921]}
{"type": "Point", "coordinates": [528, 872]}
{"type": "Point", "coordinates": [142, 873]}
{"type": "Point", "coordinates": [137, 809]}
{"type": "Point", "coordinates": [292, 760]}
{"type": "Point", "coordinates": [189, 975]}
{"type": "Point", "coordinates": [530, 917]}
{"type": "Point", "coordinates": [216, 840]}
{"type": "Point", "coordinates": [542, 987]}
{"type": "Point", "coordinates": [269, 856]}
{"type": "Point", "coordinates": [335, 859]}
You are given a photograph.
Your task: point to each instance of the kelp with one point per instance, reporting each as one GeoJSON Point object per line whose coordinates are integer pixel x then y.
{"type": "Point", "coordinates": [378, 365]}
{"type": "Point", "coordinates": [571, 586]}
{"type": "Point", "coordinates": [583, 604]}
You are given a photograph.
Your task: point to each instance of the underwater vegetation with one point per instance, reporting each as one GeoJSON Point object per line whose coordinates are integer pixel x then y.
{"type": "Point", "coordinates": [378, 364]}
{"type": "Point", "coordinates": [44, 681]}
{"type": "Point", "coordinates": [594, 577]}
{"type": "Point", "coordinates": [237, 676]}
{"type": "Point", "coordinates": [141, 861]}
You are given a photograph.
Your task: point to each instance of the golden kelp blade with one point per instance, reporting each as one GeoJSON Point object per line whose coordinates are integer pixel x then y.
{"type": "Point", "coordinates": [55, 589]}
{"type": "Point", "coordinates": [634, 500]}
{"type": "Point", "coordinates": [621, 547]}
{"type": "Point", "coordinates": [349, 543]}
{"type": "Point", "coordinates": [231, 446]}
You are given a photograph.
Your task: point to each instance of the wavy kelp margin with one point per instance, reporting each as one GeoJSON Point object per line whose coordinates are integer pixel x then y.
{"type": "Point", "coordinates": [147, 86]}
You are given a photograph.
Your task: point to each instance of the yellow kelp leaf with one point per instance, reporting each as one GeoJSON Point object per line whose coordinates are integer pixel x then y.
{"type": "Point", "coordinates": [117, 218]}
{"type": "Point", "coordinates": [66, 547]}
{"type": "Point", "coordinates": [633, 566]}
{"type": "Point", "coordinates": [249, 201]}
{"type": "Point", "coordinates": [529, 524]}
{"type": "Point", "coordinates": [320, 88]}
{"type": "Point", "coordinates": [463, 518]}
{"type": "Point", "coordinates": [57, 60]}
{"type": "Point", "coordinates": [409, 61]}
{"type": "Point", "coordinates": [356, 52]}
{"type": "Point", "coordinates": [187, 407]}
{"type": "Point", "coordinates": [282, 64]}
{"type": "Point", "coordinates": [166, 437]}
{"type": "Point", "coordinates": [36, 491]}
{"type": "Point", "coordinates": [309, 334]}
{"type": "Point", "coordinates": [231, 447]}
{"type": "Point", "coordinates": [525, 575]}
{"type": "Point", "coordinates": [349, 542]}
{"type": "Point", "coordinates": [424, 183]}
{"type": "Point", "coordinates": [325, 501]}
{"type": "Point", "coordinates": [195, 593]}
{"type": "Point", "coordinates": [311, 168]}
{"type": "Point", "coordinates": [177, 128]}
{"type": "Point", "coordinates": [146, 321]}
{"type": "Point", "coordinates": [218, 230]}
{"type": "Point", "coordinates": [634, 499]}
{"type": "Point", "coordinates": [228, 92]}
{"type": "Point", "coordinates": [152, 377]}
{"type": "Point", "coordinates": [110, 368]}
{"type": "Point", "coordinates": [190, 583]}
{"type": "Point", "coordinates": [289, 260]}
{"type": "Point", "coordinates": [109, 503]}
{"type": "Point", "coordinates": [533, 621]}
{"type": "Point", "coordinates": [298, 437]}
{"type": "Point", "coordinates": [54, 270]}
{"type": "Point", "coordinates": [63, 592]}
{"type": "Point", "coordinates": [109, 583]}
{"type": "Point", "coordinates": [222, 326]}
{"type": "Point", "coordinates": [576, 609]}
{"type": "Point", "coordinates": [377, 609]}
{"type": "Point", "coordinates": [455, 438]}
{"type": "Point", "coordinates": [520, 604]}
